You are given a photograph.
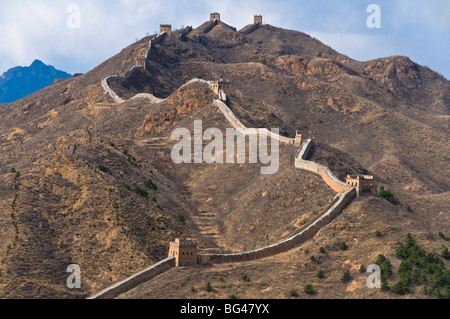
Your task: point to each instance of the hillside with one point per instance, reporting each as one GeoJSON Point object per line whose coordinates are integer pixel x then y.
{"type": "Point", "coordinates": [19, 82]}
{"type": "Point", "coordinates": [79, 169]}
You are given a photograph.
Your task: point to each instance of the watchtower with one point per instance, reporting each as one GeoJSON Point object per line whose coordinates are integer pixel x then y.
{"type": "Point", "coordinates": [361, 182]}
{"type": "Point", "coordinates": [214, 16]}
{"type": "Point", "coordinates": [257, 19]}
{"type": "Point", "coordinates": [165, 28]}
{"type": "Point", "coordinates": [184, 250]}
{"type": "Point", "coordinates": [221, 84]}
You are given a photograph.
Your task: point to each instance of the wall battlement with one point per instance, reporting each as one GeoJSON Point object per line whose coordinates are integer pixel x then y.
{"type": "Point", "coordinates": [257, 19]}
{"type": "Point", "coordinates": [184, 250]}
{"type": "Point", "coordinates": [362, 183]}
{"type": "Point", "coordinates": [165, 28]}
{"type": "Point", "coordinates": [214, 16]}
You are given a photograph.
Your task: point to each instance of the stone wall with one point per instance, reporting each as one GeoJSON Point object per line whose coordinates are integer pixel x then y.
{"type": "Point", "coordinates": [234, 121]}
{"type": "Point", "coordinates": [135, 280]}
{"type": "Point", "coordinates": [327, 175]}
{"type": "Point", "coordinates": [209, 27]}
{"type": "Point", "coordinates": [334, 209]}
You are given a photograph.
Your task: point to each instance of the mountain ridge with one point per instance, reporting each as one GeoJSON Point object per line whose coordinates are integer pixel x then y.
{"type": "Point", "coordinates": [19, 81]}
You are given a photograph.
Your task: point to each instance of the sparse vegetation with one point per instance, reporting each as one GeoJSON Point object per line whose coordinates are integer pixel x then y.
{"type": "Point", "coordinates": [309, 289]}
{"type": "Point", "coordinates": [179, 218]}
{"type": "Point", "coordinates": [409, 209]}
{"type": "Point", "coordinates": [139, 191]}
{"type": "Point", "coordinates": [377, 233]}
{"type": "Point", "coordinates": [387, 195]}
{"type": "Point", "coordinates": [306, 251]}
{"type": "Point", "coordinates": [233, 296]}
{"type": "Point", "coordinates": [220, 278]}
{"type": "Point", "coordinates": [312, 258]}
{"type": "Point", "coordinates": [444, 237]}
{"type": "Point", "coordinates": [208, 287]}
{"type": "Point", "coordinates": [362, 268]}
{"type": "Point", "coordinates": [320, 274]}
{"type": "Point", "coordinates": [345, 276]}
{"type": "Point", "coordinates": [445, 253]}
{"type": "Point", "coordinates": [193, 289]}
{"type": "Point", "coordinates": [102, 168]}
{"type": "Point", "coordinates": [12, 170]}
{"type": "Point", "coordinates": [293, 293]}
{"type": "Point", "coordinates": [343, 246]}
{"type": "Point", "coordinates": [244, 277]}
{"type": "Point", "coordinates": [421, 267]}
{"type": "Point", "coordinates": [149, 183]}
{"type": "Point", "coordinates": [322, 250]}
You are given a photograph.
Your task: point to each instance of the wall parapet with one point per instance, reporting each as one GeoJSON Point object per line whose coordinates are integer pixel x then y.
{"type": "Point", "coordinates": [334, 209]}
{"type": "Point", "coordinates": [327, 175]}
{"type": "Point", "coordinates": [135, 280]}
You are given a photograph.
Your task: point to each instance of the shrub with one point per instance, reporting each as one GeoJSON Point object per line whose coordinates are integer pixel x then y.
{"type": "Point", "coordinates": [319, 274]}
{"type": "Point", "coordinates": [385, 286]}
{"type": "Point", "coordinates": [233, 296]}
{"type": "Point", "coordinates": [13, 170]}
{"type": "Point", "coordinates": [343, 246]}
{"type": "Point", "coordinates": [445, 253]}
{"type": "Point", "coordinates": [362, 268]}
{"type": "Point", "coordinates": [306, 251]}
{"type": "Point", "coordinates": [378, 233]}
{"type": "Point", "coordinates": [401, 287]}
{"type": "Point", "coordinates": [208, 287]}
{"type": "Point", "coordinates": [193, 289]}
{"type": "Point", "coordinates": [309, 289]}
{"type": "Point", "coordinates": [154, 199]}
{"type": "Point", "coordinates": [220, 277]}
{"type": "Point", "coordinates": [409, 209]}
{"type": "Point", "coordinates": [159, 207]}
{"type": "Point", "coordinates": [380, 259]}
{"type": "Point", "coordinates": [149, 183]}
{"type": "Point", "coordinates": [244, 277]}
{"type": "Point", "coordinates": [125, 151]}
{"type": "Point", "coordinates": [312, 258]}
{"type": "Point", "coordinates": [139, 191]}
{"type": "Point", "coordinates": [345, 276]}
{"type": "Point", "coordinates": [179, 218]}
{"type": "Point", "coordinates": [444, 237]}
{"type": "Point", "coordinates": [387, 195]}
{"type": "Point", "coordinates": [322, 250]}
{"type": "Point", "coordinates": [293, 293]}
{"type": "Point", "coordinates": [102, 168]}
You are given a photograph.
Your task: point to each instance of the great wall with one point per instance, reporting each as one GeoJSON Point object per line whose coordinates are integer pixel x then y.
{"type": "Point", "coordinates": [346, 191]}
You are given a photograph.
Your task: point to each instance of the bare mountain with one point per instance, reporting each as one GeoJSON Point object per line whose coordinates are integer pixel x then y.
{"type": "Point", "coordinates": [89, 181]}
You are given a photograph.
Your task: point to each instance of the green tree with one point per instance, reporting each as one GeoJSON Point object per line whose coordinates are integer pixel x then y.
{"type": "Point", "coordinates": [343, 246]}
{"type": "Point", "coordinates": [346, 276]}
{"type": "Point", "coordinates": [309, 289]}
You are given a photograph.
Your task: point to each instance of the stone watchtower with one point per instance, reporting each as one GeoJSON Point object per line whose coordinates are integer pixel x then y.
{"type": "Point", "coordinates": [214, 16]}
{"type": "Point", "coordinates": [165, 28]}
{"type": "Point", "coordinates": [362, 183]}
{"type": "Point", "coordinates": [258, 19]}
{"type": "Point", "coordinates": [221, 88]}
{"type": "Point", "coordinates": [184, 250]}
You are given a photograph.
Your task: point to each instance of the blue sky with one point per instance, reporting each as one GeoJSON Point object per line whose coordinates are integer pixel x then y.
{"type": "Point", "coordinates": [37, 29]}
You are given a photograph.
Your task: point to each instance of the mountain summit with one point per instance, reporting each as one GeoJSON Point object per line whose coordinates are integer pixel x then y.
{"type": "Point", "coordinates": [19, 82]}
